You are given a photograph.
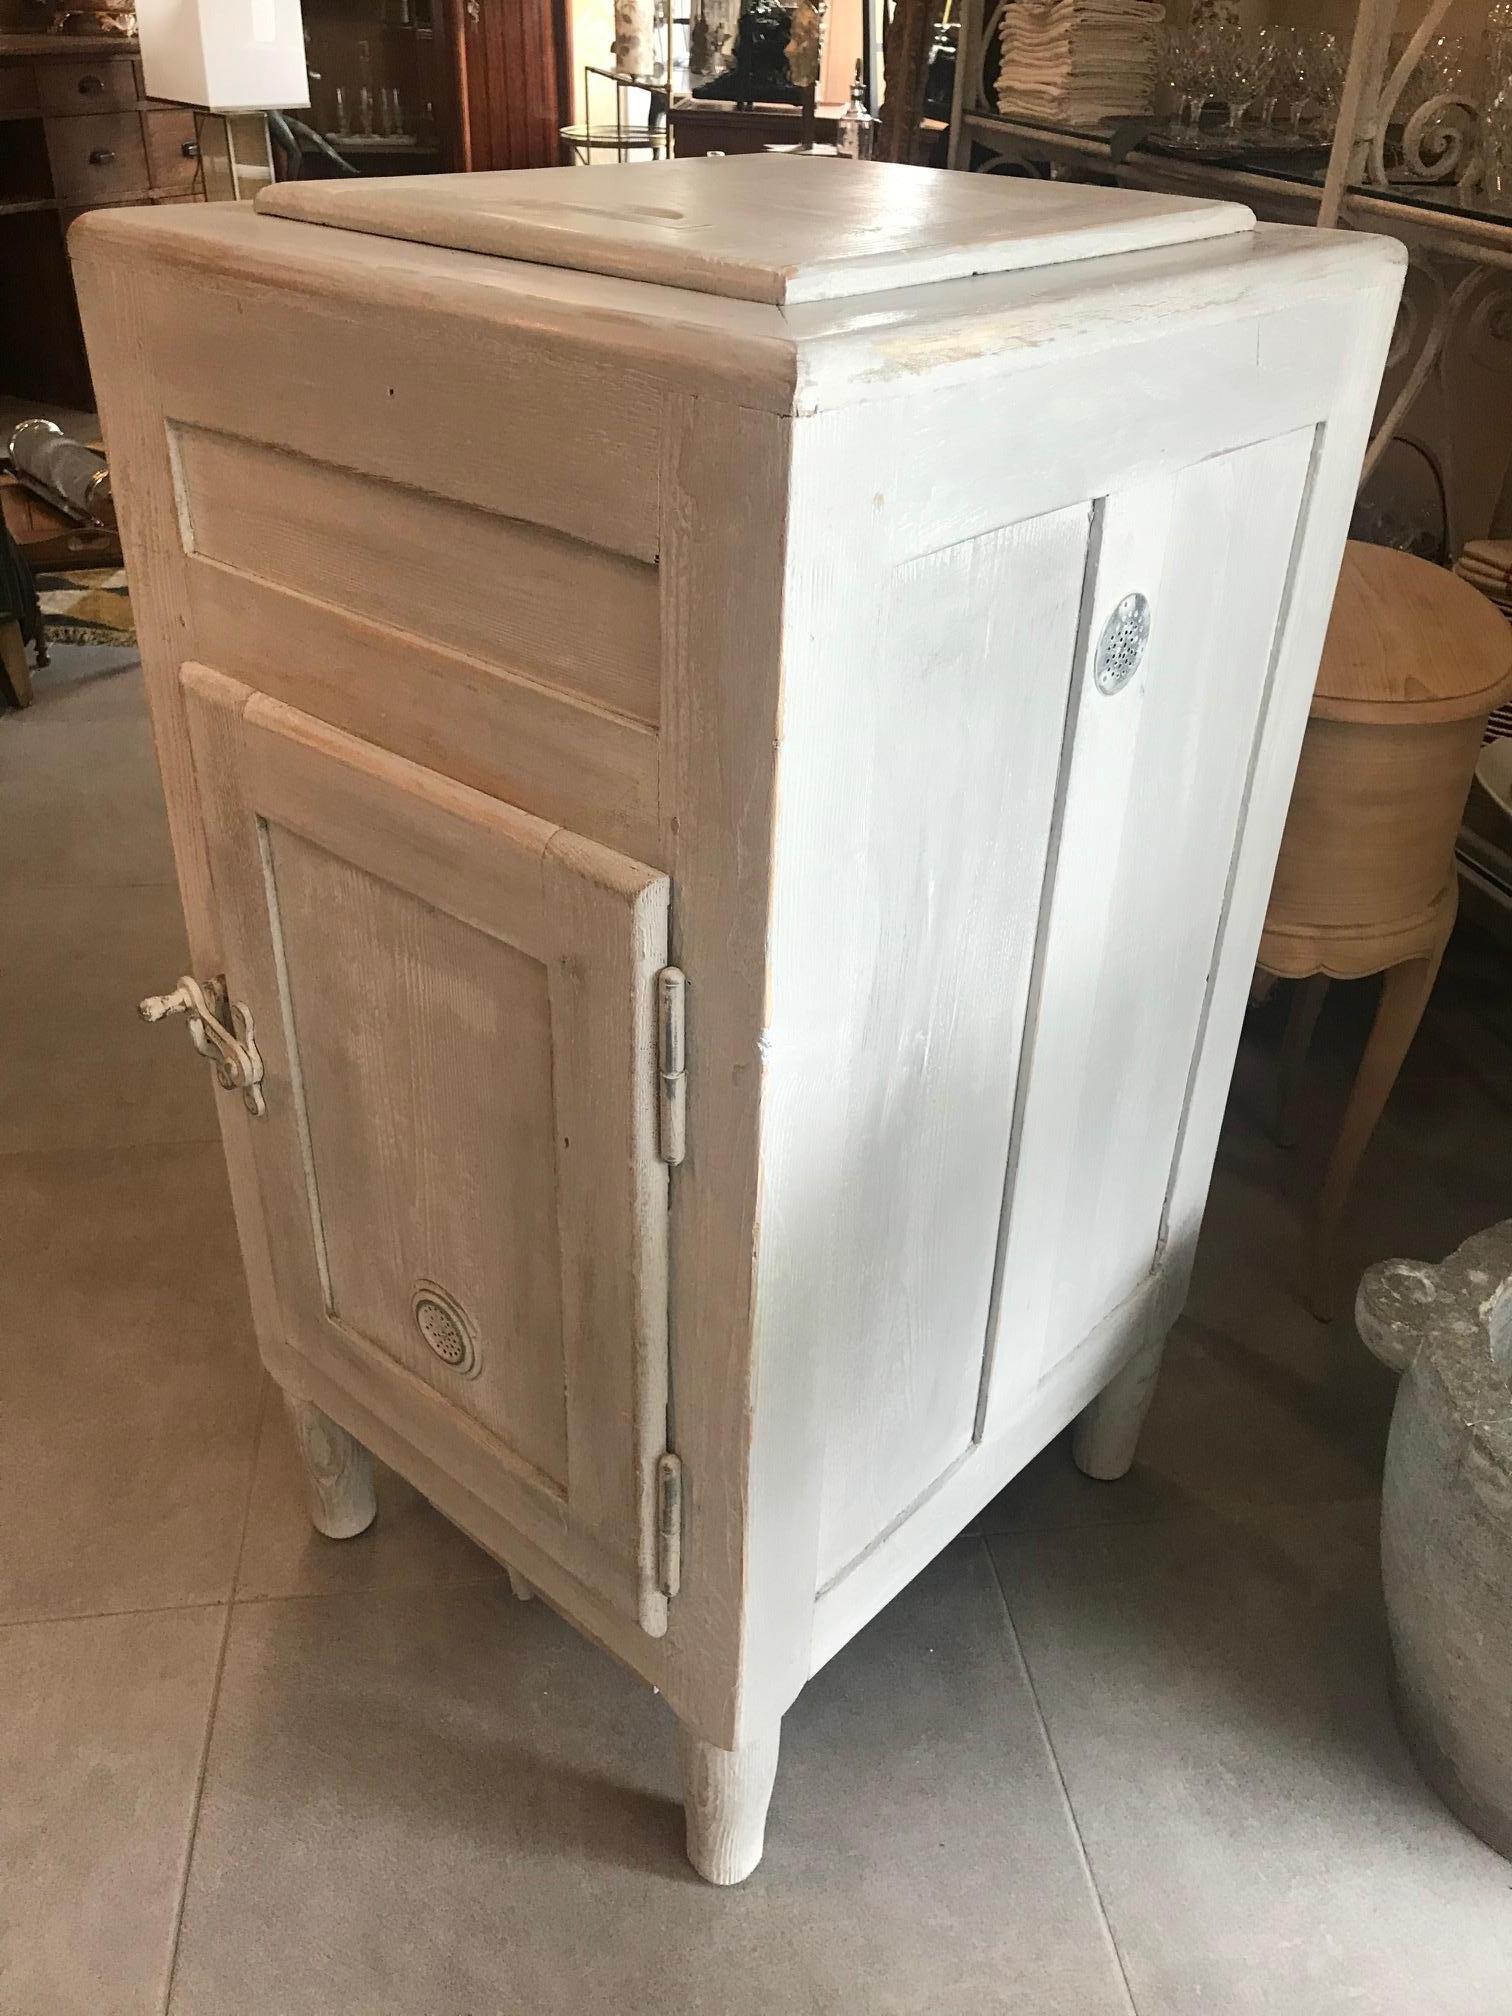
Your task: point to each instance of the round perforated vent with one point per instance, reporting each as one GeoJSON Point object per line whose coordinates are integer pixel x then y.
{"type": "Point", "coordinates": [445, 1328]}
{"type": "Point", "coordinates": [1122, 644]}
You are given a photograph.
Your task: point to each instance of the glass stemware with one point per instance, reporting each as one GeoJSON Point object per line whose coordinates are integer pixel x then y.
{"type": "Point", "coordinates": [1268, 66]}
{"type": "Point", "coordinates": [1238, 74]}
{"type": "Point", "coordinates": [1187, 65]}
{"type": "Point", "coordinates": [1290, 80]}
{"type": "Point", "coordinates": [1329, 66]}
{"type": "Point", "coordinates": [1496, 118]}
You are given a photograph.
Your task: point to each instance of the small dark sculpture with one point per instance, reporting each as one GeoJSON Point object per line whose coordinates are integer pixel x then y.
{"type": "Point", "coordinates": [759, 71]}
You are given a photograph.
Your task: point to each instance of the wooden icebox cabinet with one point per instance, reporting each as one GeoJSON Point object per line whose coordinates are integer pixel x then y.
{"type": "Point", "coordinates": [727, 725]}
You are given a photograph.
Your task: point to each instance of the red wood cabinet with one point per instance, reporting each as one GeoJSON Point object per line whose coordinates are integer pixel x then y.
{"type": "Point", "coordinates": [413, 86]}
{"type": "Point", "coordinates": [514, 81]}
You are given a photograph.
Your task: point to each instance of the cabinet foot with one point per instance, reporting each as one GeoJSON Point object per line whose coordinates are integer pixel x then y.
{"type": "Point", "coordinates": [338, 1472]}
{"type": "Point", "coordinates": [725, 1797]}
{"type": "Point", "coordinates": [520, 1586]}
{"type": "Point", "coordinates": [1106, 1434]}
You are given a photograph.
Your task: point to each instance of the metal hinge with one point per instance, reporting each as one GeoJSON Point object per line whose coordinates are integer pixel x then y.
{"type": "Point", "coordinates": [671, 1065]}
{"type": "Point", "coordinates": [669, 1517]}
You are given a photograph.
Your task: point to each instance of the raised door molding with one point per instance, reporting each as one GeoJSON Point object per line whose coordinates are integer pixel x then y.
{"type": "Point", "coordinates": [458, 1163]}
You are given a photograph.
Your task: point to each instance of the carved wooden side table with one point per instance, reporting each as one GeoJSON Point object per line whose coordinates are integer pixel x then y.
{"type": "Point", "coordinates": [1414, 662]}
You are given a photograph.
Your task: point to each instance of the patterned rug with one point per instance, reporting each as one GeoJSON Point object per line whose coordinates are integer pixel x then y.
{"type": "Point", "coordinates": [87, 605]}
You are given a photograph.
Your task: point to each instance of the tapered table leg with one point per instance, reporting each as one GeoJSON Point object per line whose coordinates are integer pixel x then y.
{"type": "Point", "coordinates": [1404, 995]}
{"type": "Point", "coordinates": [725, 1797]}
{"type": "Point", "coordinates": [1301, 1021]}
{"type": "Point", "coordinates": [338, 1472]}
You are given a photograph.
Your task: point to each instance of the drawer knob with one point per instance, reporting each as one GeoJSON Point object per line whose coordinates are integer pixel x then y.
{"type": "Point", "coordinates": [101, 157]}
{"type": "Point", "coordinates": [190, 150]}
{"type": "Point", "coordinates": [91, 87]}
{"type": "Point", "coordinates": [1122, 644]}
{"type": "Point", "coordinates": [220, 1029]}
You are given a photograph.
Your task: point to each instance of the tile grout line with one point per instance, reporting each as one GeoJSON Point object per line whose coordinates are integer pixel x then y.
{"type": "Point", "coordinates": [95, 1616]}
{"type": "Point", "coordinates": [483, 1579]}
{"type": "Point", "coordinates": [214, 1705]}
{"type": "Point", "coordinates": [1060, 1779]}
{"type": "Point", "coordinates": [266, 1404]}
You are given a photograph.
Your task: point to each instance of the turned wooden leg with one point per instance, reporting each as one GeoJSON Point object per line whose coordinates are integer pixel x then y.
{"type": "Point", "coordinates": [338, 1472]}
{"type": "Point", "coordinates": [1106, 1434]}
{"type": "Point", "coordinates": [1404, 996]}
{"type": "Point", "coordinates": [520, 1586]}
{"type": "Point", "coordinates": [1301, 1021]}
{"type": "Point", "coordinates": [725, 1798]}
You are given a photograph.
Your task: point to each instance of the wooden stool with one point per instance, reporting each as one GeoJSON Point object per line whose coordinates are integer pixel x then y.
{"type": "Point", "coordinates": [1415, 661]}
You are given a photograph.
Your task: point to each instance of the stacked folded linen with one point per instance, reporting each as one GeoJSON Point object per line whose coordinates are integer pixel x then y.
{"type": "Point", "coordinates": [1078, 61]}
{"type": "Point", "coordinates": [1487, 564]}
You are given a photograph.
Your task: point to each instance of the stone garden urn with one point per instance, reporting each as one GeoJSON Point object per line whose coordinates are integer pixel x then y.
{"type": "Point", "coordinates": [1446, 1517]}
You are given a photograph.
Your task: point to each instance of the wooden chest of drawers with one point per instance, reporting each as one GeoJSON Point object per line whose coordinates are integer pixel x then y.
{"type": "Point", "coordinates": [727, 727]}
{"type": "Point", "coordinates": [76, 131]}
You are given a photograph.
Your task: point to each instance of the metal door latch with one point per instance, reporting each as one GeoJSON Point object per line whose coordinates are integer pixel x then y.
{"type": "Point", "coordinates": [220, 1029]}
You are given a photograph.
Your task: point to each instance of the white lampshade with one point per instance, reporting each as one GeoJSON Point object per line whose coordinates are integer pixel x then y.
{"type": "Point", "coordinates": [228, 55]}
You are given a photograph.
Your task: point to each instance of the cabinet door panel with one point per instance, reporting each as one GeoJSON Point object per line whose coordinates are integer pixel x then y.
{"type": "Point", "coordinates": [1157, 777]}
{"type": "Point", "coordinates": [458, 1164]}
{"type": "Point", "coordinates": [957, 729]}
{"type": "Point", "coordinates": [428, 1166]}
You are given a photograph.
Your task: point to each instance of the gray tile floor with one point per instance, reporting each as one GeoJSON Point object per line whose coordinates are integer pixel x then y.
{"type": "Point", "coordinates": [1122, 1748]}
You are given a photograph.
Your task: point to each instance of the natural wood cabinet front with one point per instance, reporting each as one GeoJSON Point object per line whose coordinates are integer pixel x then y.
{"type": "Point", "coordinates": [454, 1004]}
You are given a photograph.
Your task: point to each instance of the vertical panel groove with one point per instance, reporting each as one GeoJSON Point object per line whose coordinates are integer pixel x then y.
{"type": "Point", "coordinates": [1262, 722]}
{"type": "Point", "coordinates": [1041, 935]}
{"type": "Point", "coordinates": [296, 1073]}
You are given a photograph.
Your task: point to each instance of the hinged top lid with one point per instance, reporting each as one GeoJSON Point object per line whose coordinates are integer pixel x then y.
{"type": "Point", "coordinates": [774, 228]}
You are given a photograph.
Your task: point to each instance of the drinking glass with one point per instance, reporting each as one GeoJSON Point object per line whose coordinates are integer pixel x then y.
{"type": "Point", "coordinates": [1268, 65]}
{"type": "Point", "coordinates": [1182, 72]}
{"type": "Point", "coordinates": [1201, 44]}
{"type": "Point", "coordinates": [1450, 65]}
{"type": "Point", "coordinates": [1496, 118]}
{"type": "Point", "coordinates": [1324, 66]}
{"type": "Point", "coordinates": [1238, 74]}
{"type": "Point", "coordinates": [1291, 75]}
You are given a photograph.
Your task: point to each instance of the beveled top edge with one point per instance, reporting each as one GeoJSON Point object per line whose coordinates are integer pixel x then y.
{"type": "Point", "coordinates": [779, 229]}
{"type": "Point", "coordinates": [798, 360]}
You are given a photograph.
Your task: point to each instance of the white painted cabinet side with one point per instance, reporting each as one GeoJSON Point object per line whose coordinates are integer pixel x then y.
{"type": "Point", "coordinates": [1347, 373]}
{"type": "Point", "coordinates": [923, 714]}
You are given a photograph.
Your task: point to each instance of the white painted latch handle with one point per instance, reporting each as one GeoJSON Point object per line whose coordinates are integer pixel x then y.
{"type": "Point", "coordinates": [231, 1049]}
